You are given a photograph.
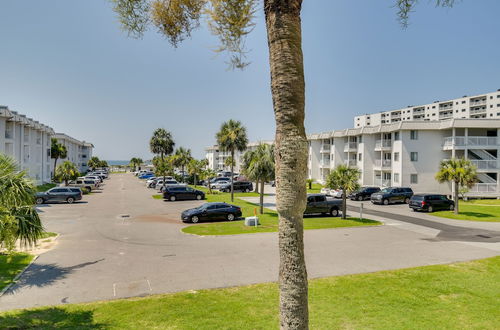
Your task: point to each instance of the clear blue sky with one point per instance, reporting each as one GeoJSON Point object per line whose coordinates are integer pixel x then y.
{"type": "Point", "coordinates": [68, 65]}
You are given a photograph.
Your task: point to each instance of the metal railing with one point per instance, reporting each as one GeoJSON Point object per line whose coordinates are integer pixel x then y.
{"type": "Point", "coordinates": [352, 162]}
{"type": "Point", "coordinates": [384, 163]}
{"type": "Point", "coordinates": [350, 145]}
{"type": "Point", "coordinates": [470, 141]}
{"type": "Point", "coordinates": [484, 188]}
{"type": "Point", "coordinates": [324, 163]}
{"type": "Point", "coordinates": [476, 103]}
{"type": "Point", "coordinates": [483, 164]}
{"type": "Point", "coordinates": [325, 148]}
{"type": "Point", "coordinates": [383, 144]}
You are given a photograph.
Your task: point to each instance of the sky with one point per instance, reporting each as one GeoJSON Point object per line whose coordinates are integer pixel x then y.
{"type": "Point", "coordinates": [68, 65]}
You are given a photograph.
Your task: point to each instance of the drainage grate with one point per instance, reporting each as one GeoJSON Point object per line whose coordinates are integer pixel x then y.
{"type": "Point", "coordinates": [124, 215]}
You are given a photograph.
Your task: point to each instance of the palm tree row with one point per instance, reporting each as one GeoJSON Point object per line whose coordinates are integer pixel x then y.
{"type": "Point", "coordinates": [135, 162]}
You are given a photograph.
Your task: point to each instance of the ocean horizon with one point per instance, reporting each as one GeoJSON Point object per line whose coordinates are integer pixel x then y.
{"type": "Point", "coordinates": [117, 162]}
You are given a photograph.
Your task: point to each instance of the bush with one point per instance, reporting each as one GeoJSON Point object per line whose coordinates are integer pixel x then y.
{"type": "Point", "coordinates": [85, 191]}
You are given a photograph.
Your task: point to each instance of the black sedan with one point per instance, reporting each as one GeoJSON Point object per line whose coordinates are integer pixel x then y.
{"type": "Point", "coordinates": [363, 193]}
{"type": "Point", "coordinates": [182, 192]}
{"type": "Point", "coordinates": [59, 194]}
{"type": "Point", "coordinates": [211, 212]}
{"type": "Point", "coordinates": [431, 203]}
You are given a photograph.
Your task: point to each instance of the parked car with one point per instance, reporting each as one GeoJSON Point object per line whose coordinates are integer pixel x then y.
{"type": "Point", "coordinates": [326, 191]}
{"type": "Point", "coordinates": [93, 177]}
{"type": "Point", "coordinates": [178, 193]}
{"type": "Point", "coordinates": [392, 195]}
{"type": "Point", "coordinates": [212, 211]}
{"type": "Point", "coordinates": [82, 183]}
{"type": "Point", "coordinates": [146, 175]}
{"type": "Point", "coordinates": [431, 203]}
{"type": "Point", "coordinates": [320, 203]}
{"type": "Point", "coordinates": [363, 193]}
{"type": "Point", "coordinates": [58, 194]}
{"type": "Point", "coordinates": [244, 186]}
{"type": "Point", "coordinates": [222, 178]}
{"type": "Point", "coordinates": [337, 193]}
{"type": "Point", "coordinates": [168, 183]}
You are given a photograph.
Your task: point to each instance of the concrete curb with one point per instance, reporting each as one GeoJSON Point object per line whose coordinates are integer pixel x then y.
{"type": "Point", "coordinates": [4, 290]}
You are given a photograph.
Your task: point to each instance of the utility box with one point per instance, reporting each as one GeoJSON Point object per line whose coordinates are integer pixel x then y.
{"type": "Point", "coordinates": [252, 221]}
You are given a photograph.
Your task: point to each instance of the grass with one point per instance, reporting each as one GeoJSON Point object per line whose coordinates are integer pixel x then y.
{"type": "Point", "coordinates": [316, 188]}
{"type": "Point", "coordinates": [158, 196]}
{"type": "Point", "coordinates": [268, 220]}
{"type": "Point", "coordinates": [473, 212]}
{"type": "Point", "coordinates": [11, 265]}
{"type": "Point", "coordinates": [456, 296]}
{"type": "Point", "coordinates": [47, 234]}
{"type": "Point", "coordinates": [45, 187]}
{"type": "Point", "coordinates": [484, 201]}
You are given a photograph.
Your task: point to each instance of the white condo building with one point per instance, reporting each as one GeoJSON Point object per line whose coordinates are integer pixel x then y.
{"type": "Point", "coordinates": [78, 152]}
{"type": "Point", "coordinates": [27, 141]}
{"type": "Point", "coordinates": [217, 158]}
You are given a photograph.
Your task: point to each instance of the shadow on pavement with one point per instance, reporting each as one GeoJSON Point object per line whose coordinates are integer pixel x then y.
{"type": "Point", "coordinates": [50, 318]}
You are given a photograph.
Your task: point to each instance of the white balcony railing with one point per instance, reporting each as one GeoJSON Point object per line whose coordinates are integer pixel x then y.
{"type": "Point", "coordinates": [383, 144]}
{"type": "Point", "coordinates": [325, 148]}
{"type": "Point", "coordinates": [476, 103]}
{"type": "Point", "coordinates": [324, 163]}
{"type": "Point", "coordinates": [383, 183]}
{"type": "Point", "coordinates": [384, 163]}
{"type": "Point", "coordinates": [351, 162]}
{"type": "Point", "coordinates": [471, 141]}
{"type": "Point", "coordinates": [483, 188]}
{"type": "Point", "coordinates": [350, 146]}
{"type": "Point", "coordinates": [485, 164]}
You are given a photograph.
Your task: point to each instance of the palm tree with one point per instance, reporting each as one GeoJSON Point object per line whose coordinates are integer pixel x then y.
{"type": "Point", "coordinates": [94, 162]}
{"type": "Point", "coordinates": [461, 172]}
{"type": "Point", "coordinates": [229, 162]}
{"type": "Point", "coordinates": [195, 168]}
{"type": "Point", "coordinates": [345, 178]}
{"type": "Point", "coordinates": [232, 137]}
{"type": "Point", "coordinates": [57, 150]}
{"type": "Point", "coordinates": [245, 164]}
{"type": "Point", "coordinates": [182, 157]}
{"type": "Point", "coordinates": [103, 164]}
{"type": "Point", "coordinates": [161, 143]}
{"type": "Point", "coordinates": [231, 21]}
{"type": "Point", "coordinates": [18, 217]}
{"type": "Point", "coordinates": [309, 183]}
{"type": "Point", "coordinates": [67, 171]}
{"type": "Point", "coordinates": [135, 162]}
{"type": "Point", "coordinates": [208, 174]}
{"type": "Point", "coordinates": [261, 168]}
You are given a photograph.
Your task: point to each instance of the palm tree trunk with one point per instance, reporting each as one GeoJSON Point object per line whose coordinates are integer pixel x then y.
{"type": "Point", "coordinates": [344, 204]}
{"type": "Point", "coordinates": [287, 87]}
{"type": "Point", "coordinates": [54, 174]}
{"type": "Point", "coordinates": [261, 196]}
{"type": "Point", "coordinates": [256, 186]}
{"type": "Point", "coordinates": [455, 197]}
{"type": "Point", "coordinates": [232, 176]}
{"type": "Point", "coordinates": [163, 164]}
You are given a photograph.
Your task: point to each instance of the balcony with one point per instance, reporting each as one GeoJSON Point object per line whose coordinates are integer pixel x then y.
{"type": "Point", "coordinates": [483, 188]}
{"type": "Point", "coordinates": [351, 147]}
{"type": "Point", "coordinates": [8, 134]}
{"type": "Point", "coordinates": [382, 183]}
{"type": "Point", "coordinates": [325, 148]}
{"type": "Point", "coordinates": [471, 141]}
{"type": "Point", "coordinates": [477, 103]}
{"type": "Point", "coordinates": [383, 144]}
{"type": "Point", "coordinates": [383, 163]}
{"type": "Point", "coordinates": [324, 163]}
{"type": "Point", "coordinates": [351, 162]}
{"type": "Point", "coordinates": [485, 164]}
{"type": "Point", "coordinates": [477, 110]}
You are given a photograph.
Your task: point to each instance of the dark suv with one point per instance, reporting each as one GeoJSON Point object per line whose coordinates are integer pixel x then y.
{"type": "Point", "coordinates": [431, 203]}
{"type": "Point", "coordinates": [59, 194]}
{"type": "Point", "coordinates": [392, 195]}
{"type": "Point", "coordinates": [363, 193]}
{"type": "Point", "coordinates": [243, 186]}
{"type": "Point", "coordinates": [182, 192]}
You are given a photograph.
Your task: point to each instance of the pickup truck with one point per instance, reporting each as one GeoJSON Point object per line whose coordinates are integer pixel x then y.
{"type": "Point", "coordinates": [319, 203]}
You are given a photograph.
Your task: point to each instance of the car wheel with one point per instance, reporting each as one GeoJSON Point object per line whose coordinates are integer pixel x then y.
{"type": "Point", "coordinates": [172, 198]}
{"type": "Point", "coordinates": [70, 200]}
{"type": "Point", "coordinates": [360, 198]}
{"type": "Point", "coordinates": [247, 190]}
{"type": "Point", "coordinates": [198, 197]}
{"type": "Point", "coordinates": [230, 217]}
{"type": "Point", "coordinates": [452, 207]}
{"type": "Point", "coordinates": [334, 212]}
{"type": "Point", "coordinates": [195, 219]}
{"type": "Point", "coordinates": [430, 209]}
{"type": "Point", "coordinates": [385, 201]}
{"type": "Point", "coordinates": [39, 200]}
{"type": "Point", "coordinates": [407, 200]}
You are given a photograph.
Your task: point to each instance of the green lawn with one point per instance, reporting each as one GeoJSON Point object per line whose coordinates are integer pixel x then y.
{"type": "Point", "coordinates": [473, 212]}
{"type": "Point", "coordinates": [11, 265]}
{"type": "Point", "coordinates": [47, 234]}
{"type": "Point", "coordinates": [45, 187]}
{"type": "Point", "coordinates": [268, 220]}
{"type": "Point", "coordinates": [484, 201]}
{"type": "Point", "coordinates": [456, 296]}
{"type": "Point", "coordinates": [316, 188]}
{"type": "Point", "coordinates": [158, 196]}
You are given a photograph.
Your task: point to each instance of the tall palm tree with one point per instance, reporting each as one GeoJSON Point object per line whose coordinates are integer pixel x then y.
{"type": "Point", "coordinates": [461, 172]}
{"type": "Point", "coordinates": [345, 178]}
{"type": "Point", "coordinates": [94, 162]}
{"type": "Point", "coordinates": [231, 21]}
{"type": "Point", "coordinates": [261, 168]}
{"type": "Point", "coordinates": [208, 174]}
{"type": "Point", "coordinates": [162, 144]}
{"type": "Point", "coordinates": [67, 171]}
{"type": "Point", "coordinates": [246, 159]}
{"type": "Point", "coordinates": [57, 150]}
{"type": "Point", "coordinates": [182, 157]}
{"type": "Point", "coordinates": [232, 137]}
{"type": "Point", "coordinates": [18, 217]}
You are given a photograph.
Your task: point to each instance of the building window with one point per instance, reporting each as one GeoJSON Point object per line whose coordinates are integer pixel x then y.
{"type": "Point", "coordinates": [396, 136]}
{"type": "Point", "coordinates": [414, 135]}
{"type": "Point", "coordinates": [396, 156]}
{"type": "Point", "coordinates": [414, 156]}
{"type": "Point", "coordinates": [396, 177]}
{"type": "Point", "coordinates": [463, 110]}
{"type": "Point", "coordinates": [360, 157]}
{"type": "Point", "coordinates": [463, 102]}
{"type": "Point", "coordinates": [360, 139]}
{"type": "Point", "coordinates": [414, 178]}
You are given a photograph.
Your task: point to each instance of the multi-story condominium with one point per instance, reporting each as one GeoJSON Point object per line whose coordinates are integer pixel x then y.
{"type": "Point", "coordinates": [27, 141]}
{"type": "Point", "coordinates": [78, 152]}
{"type": "Point", "coordinates": [217, 158]}
{"type": "Point", "coordinates": [479, 106]}
{"type": "Point", "coordinates": [408, 153]}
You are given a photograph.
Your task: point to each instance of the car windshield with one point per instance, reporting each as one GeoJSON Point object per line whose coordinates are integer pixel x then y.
{"type": "Point", "coordinates": [386, 190]}
{"type": "Point", "coordinates": [418, 198]}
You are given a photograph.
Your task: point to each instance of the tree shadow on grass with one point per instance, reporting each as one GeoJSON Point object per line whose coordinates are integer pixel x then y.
{"type": "Point", "coordinates": [40, 275]}
{"type": "Point", "coordinates": [50, 318]}
{"type": "Point", "coordinates": [477, 214]}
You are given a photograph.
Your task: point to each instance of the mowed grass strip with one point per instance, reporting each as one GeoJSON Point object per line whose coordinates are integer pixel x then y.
{"type": "Point", "coordinates": [268, 220]}
{"type": "Point", "coordinates": [471, 211]}
{"type": "Point", "coordinates": [11, 265]}
{"type": "Point", "coordinates": [456, 296]}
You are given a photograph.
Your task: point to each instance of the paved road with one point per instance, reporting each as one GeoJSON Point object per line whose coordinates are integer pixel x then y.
{"type": "Point", "coordinates": [122, 243]}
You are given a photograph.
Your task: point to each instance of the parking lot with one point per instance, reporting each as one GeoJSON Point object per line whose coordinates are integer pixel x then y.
{"type": "Point", "coordinates": [121, 243]}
